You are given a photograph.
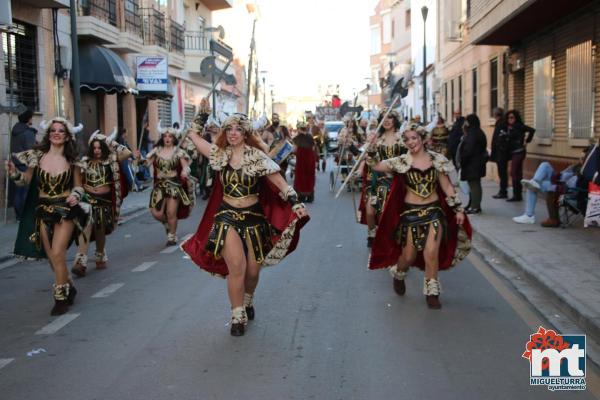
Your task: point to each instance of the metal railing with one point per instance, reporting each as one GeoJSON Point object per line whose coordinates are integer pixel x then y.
{"type": "Point", "coordinates": [153, 27]}
{"type": "Point", "coordinates": [197, 40]}
{"type": "Point", "coordinates": [132, 17]}
{"type": "Point", "coordinates": [177, 42]}
{"type": "Point", "coordinates": [105, 10]}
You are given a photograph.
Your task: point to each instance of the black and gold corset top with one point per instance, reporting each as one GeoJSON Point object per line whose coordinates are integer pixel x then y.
{"type": "Point", "coordinates": [54, 185]}
{"type": "Point", "coordinates": [385, 152]}
{"type": "Point", "coordinates": [236, 184]}
{"type": "Point", "coordinates": [422, 183]}
{"type": "Point", "coordinates": [166, 166]}
{"type": "Point", "coordinates": [98, 174]}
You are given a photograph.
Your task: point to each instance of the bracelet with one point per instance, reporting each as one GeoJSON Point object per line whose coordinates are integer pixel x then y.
{"type": "Point", "coordinates": [289, 195]}
{"type": "Point", "coordinates": [298, 206]}
{"type": "Point", "coordinates": [77, 192]}
{"type": "Point", "coordinates": [455, 203]}
{"type": "Point", "coordinates": [18, 178]}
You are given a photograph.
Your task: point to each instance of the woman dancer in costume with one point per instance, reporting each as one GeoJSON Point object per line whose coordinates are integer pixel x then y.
{"type": "Point", "coordinates": [247, 223]}
{"type": "Point", "coordinates": [173, 195]}
{"type": "Point", "coordinates": [423, 223]}
{"type": "Point", "coordinates": [53, 217]}
{"type": "Point", "coordinates": [376, 185]}
{"type": "Point", "coordinates": [104, 191]}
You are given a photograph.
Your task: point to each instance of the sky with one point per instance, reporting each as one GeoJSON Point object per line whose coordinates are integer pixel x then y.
{"type": "Point", "coordinates": [304, 43]}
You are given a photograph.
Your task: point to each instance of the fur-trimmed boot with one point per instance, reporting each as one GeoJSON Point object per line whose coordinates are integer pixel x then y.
{"type": "Point", "coordinates": [63, 297]}
{"type": "Point", "coordinates": [80, 265]}
{"type": "Point", "coordinates": [399, 285]}
{"type": "Point", "coordinates": [249, 305]}
{"type": "Point", "coordinates": [432, 289]}
{"type": "Point", "coordinates": [239, 320]}
{"type": "Point", "coordinates": [171, 239]}
{"type": "Point", "coordinates": [553, 220]}
{"type": "Point", "coordinates": [101, 260]}
{"type": "Point", "coordinates": [371, 233]}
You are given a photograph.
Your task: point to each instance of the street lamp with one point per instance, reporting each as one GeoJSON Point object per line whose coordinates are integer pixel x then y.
{"type": "Point", "coordinates": [424, 11]}
{"type": "Point", "coordinates": [264, 75]}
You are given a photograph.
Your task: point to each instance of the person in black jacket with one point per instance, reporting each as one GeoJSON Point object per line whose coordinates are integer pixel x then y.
{"type": "Point", "coordinates": [472, 156]}
{"type": "Point", "coordinates": [23, 138]}
{"type": "Point", "coordinates": [455, 136]}
{"type": "Point", "coordinates": [501, 152]}
{"type": "Point", "coordinates": [518, 151]}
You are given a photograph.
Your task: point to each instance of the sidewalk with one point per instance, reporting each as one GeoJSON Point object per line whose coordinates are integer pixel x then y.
{"type": "Point", "coordinates": [134, 202]}
{"type": "Point", "coordinates": [565, 262]}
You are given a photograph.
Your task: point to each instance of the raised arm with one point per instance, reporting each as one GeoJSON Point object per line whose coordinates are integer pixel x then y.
{"type": "Point", "coordinates": [201, 144]}
{"type": "Point", "coordinates": [21, 178]}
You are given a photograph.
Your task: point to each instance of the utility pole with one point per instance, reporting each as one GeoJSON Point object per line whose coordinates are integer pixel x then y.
{"type": "Point", "coordinates": [252, 47]}
{"type": "Point", "coordinates": [75, 62]}
{"type": "Point", "coordinates": [424, 11]}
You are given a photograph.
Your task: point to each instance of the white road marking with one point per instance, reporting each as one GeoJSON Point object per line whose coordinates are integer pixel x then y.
{"type": "Point", "coordinates": [5, 361]}
{"type": "Point", "coordinates": [143, 266]}
{"type": "Point", "coordinates": [9, 263]}
{"type": "Point", "coordinates": [107, 291]}
{"type": "Point", "coordinates": [57, 324]}
{"type": "Point", "coordinates": [173, 249]}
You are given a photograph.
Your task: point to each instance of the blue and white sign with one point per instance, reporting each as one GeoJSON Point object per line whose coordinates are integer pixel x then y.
{"type": "Point", "coordinates": [152, 74]}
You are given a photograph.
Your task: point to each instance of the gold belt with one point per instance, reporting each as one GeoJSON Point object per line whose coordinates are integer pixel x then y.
{"type": "Point", "coordinates": [421, 212]}
{"type": "Point", "coordinates": [239, 215]}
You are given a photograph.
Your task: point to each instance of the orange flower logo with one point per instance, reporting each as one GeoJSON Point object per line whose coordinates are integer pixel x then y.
{"type": "Point", "coordinates": [544, 339]}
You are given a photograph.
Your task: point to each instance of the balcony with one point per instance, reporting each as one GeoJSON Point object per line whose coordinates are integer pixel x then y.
{"type": "Point", "coordinates": [130, 35]}
{"type": "Point", "coordinates": [47, 3]}
{"type": "Point", "coordinates": [196, 49]}
{"type": "Point", "coordinates": [214, 5]}
{"type": "Point", "coordinates": [176, 45]}
{"type": "Point", "coordinates": [154, 30]}
{"type": "Point", "coordinates": [97, 19]}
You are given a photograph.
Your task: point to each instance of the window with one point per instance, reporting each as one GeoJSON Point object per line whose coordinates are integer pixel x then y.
{"type": "Point", "coordinates": [375, 75]}
{"type": "Point", "coordinates": [407, 20]}
{"type": "Point", "coordinates": [493, 84]}
{"type": "Point", "coordinates": [460, 94]}
{"type": "Point", "coordinates": [190, 112]}
{"type": "Point", "coordinates": [164, 112]}
{"type": "Point", "coordinates": [580, 86]}
{"type": "Point", "coordinates": [543, 97]}
{"type": "Point", "coordinates": [375, 40]}
{"type": "Point", "coordinates": [393, 28]}
{"type": "Point", "coordinates": [475, 89]}
{"type": "Point", "coordinates": [20, 65]}
{"type": "Point", "coordinates": [386, 25]}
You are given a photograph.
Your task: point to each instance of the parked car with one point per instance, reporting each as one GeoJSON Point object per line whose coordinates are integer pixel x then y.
{"type": "Point", "coordinates": [332, 128]}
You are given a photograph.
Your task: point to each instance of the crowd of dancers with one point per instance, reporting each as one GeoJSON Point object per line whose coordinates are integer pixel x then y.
{"type": "Point", "coordinates": [253, 217]}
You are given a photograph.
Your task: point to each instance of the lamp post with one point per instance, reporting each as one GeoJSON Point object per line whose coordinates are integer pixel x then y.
{"type": "Point", "coordinates": [264, 75]}
{"type": "Point", "coordinates": [424, 11]}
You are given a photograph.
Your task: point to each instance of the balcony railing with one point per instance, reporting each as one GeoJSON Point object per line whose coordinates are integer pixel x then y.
{"type": "Point", "coordinates": [132, 18]}
{"type": "Point", "coordinates": [177, 43]}
{"type": "Point", "coordinates": [105, 10]}
{"type": "Point", "coordinates": [197, 40]}
{"type": "Point", "coordinates": [153, 27]}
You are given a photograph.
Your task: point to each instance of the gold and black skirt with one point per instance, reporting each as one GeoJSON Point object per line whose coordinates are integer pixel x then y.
{"type": "Point", "coordinates": [51, 211]}
{"type": "Point", "coordinates": [168, 188]}
{"type": "Point", "coordinates": [103, 213]}
{"type": "Point", "coordinates": [418, 219]}
{"type": "Point", "coordinates": [250, 224]}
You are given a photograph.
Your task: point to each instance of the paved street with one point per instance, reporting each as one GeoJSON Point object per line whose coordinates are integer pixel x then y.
{"type": "Point", "coordinates": [153, 326]}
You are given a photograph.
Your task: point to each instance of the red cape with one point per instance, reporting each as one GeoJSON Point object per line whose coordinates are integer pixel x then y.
{"type": "Point", "coordinates": [278, 212]}
{"type": "Point", "coordinates": [386, 250]}
{"type": "Point", "coordinates": [305, 173]}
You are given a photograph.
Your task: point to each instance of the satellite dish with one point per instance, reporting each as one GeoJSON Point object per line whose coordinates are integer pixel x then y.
{"type": "Point", "coordinates": [230, 79]}
{"type": "Point", "coordinates": [221, 32]}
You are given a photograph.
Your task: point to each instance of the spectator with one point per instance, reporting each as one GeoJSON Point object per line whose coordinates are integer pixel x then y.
{"type": "Point", "coordinates": [545, 180]}
{"type": "Point", "coordinates": [455, 136]}
{"type": "Point", "coordinates": [518, 150]}
{"type": "Point", "coordinates": [472, 157]}
{"type": "Point", "coordinates": [127, 165]}
{"type": "Point", "coordinates": [501, 152]}
{"type": "Point", "coordinates": [22, 139]}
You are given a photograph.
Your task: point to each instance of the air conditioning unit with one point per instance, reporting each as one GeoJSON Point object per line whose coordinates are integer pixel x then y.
{"type": "Point", "coordinates": [5, 14]}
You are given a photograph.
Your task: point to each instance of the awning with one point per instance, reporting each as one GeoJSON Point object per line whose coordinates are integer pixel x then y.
{"type": "Point", "coordinates": [102, 69]}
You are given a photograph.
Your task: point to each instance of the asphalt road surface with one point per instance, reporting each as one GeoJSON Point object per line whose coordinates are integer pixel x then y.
{"type": "Point", "coordinates": [153, 326]}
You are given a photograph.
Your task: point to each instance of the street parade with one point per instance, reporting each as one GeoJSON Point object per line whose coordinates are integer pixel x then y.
{"type": "Point", "coordinates": [267, 199]}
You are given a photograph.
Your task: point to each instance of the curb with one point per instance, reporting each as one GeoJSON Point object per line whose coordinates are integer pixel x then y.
{"type": "Point", "coordinates": [568, 304]}
{"type": "Point", "coordinates": [130, 211]}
